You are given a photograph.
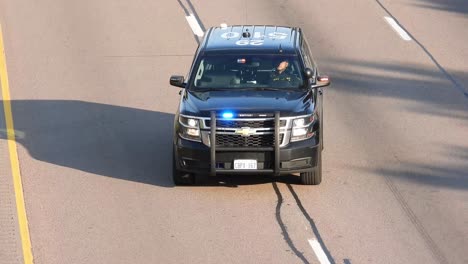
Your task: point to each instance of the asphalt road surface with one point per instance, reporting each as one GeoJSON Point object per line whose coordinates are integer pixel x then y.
{"type": "Point", "coordinates": [93, 114]}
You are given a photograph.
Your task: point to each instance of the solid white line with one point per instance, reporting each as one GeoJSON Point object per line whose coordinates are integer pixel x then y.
{"type": "Point", "coordinates": [397, 28]}
{"type": "Point", "coordinates": [319, 251]}
{"type": "Point", "coordinates": [193, 23]}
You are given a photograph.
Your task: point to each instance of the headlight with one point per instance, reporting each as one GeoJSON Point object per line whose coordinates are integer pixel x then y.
{"type": "Point", "coordinates": [188, 121]}
{"type": "Point", "coordinates": [189, 128]}
{"type": "Point", "coordinates": [302, 128]}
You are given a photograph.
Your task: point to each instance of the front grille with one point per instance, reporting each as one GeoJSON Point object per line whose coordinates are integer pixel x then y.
{"type": "Point", "coordinates": [245, 123]}
{"type": "Point", "coordinates": [268, 140]}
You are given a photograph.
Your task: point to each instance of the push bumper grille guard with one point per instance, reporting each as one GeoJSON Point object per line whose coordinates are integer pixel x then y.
{"type": "Point", "coordinates": [214, 149]}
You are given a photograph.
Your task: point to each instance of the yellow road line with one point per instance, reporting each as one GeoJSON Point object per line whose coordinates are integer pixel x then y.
{"type": "Point", "coordinates": [20, 207]}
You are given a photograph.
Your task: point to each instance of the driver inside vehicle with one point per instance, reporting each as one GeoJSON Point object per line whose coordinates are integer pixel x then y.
{"type": "Point", "coordinates": [282, 75]}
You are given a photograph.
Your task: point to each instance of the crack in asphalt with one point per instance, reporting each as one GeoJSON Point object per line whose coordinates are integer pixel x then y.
{"type": "Point", "coordinates": [284, 230]}
{"type": "Point", "coordinates": [432, 246]}
{"type": "Point", "coordinates": [435, 250]}
{"type": "Point", "coordinates": [311, 223]}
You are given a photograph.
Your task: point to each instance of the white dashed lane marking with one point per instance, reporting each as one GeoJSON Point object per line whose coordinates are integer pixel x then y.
{"type": "Point", "coordinates": [193, 23]}
{"type": "Point", "coordinates": [322, 257]}
{"type": "Point", "coordinates": [403, 34]}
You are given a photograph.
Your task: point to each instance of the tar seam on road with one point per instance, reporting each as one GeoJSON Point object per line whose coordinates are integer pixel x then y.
{"type": "Point", "coordinates": [454, 81]}
{"type": "Point", "coordinates": [284, 230]}
{"type": "Point", "coordinates": [190, 10]}
{"type": "Point", "coordinates": [437, 253]}
{"type": "Point", "coordinates": [311, 223]}
{"type": "Point", "coordinates": [15, 169]}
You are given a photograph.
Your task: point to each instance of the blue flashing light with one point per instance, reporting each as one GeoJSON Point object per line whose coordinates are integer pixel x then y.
{"type": "Point", "coordinates": [228, 115]}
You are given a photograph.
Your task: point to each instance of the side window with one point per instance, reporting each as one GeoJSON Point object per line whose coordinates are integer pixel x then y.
{"type": "Point", "coordinates": [308, 58]}
{"type": "Point", "coordinates": [306, 54]}
{"type": "Point", "coordinates": [200, 71]}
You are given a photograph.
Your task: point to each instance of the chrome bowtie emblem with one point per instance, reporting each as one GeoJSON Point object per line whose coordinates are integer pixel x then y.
{"type": "Point", "coordinates": [245, 131]}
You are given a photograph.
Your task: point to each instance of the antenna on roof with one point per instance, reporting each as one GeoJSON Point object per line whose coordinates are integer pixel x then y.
{"type": "Point", "coordinates": [246, 34]}
{"type": "Point", "coordinates": [280, 49]}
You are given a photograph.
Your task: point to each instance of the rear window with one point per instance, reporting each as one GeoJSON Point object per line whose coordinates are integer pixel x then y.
{"type": "Point", "coordinates": [250, 71]}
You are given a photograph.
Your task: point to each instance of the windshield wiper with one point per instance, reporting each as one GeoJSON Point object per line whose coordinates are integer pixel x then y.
{"type": "Point", "coordinates": [209, 89]}
{"type": "Point", "coordinates": [268, 89]}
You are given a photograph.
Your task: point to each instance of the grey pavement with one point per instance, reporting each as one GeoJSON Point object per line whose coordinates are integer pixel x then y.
{"type": "Point", "coordinates": [10, 243]}
{"type": "Point", "coordinates": [89, 84]}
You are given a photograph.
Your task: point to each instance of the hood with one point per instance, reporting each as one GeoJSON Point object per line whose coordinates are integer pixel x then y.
{"type": "Point", "coordinates": [289, 103]}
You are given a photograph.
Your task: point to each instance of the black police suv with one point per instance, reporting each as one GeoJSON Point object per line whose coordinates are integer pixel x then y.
{"type": "Point", "coordinates": [252, 104]}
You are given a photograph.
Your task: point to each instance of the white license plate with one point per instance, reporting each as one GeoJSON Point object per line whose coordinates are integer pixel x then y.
{"type": "Point", "coordinates": [245, 164]}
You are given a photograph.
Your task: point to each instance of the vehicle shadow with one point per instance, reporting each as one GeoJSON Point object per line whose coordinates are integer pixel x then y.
{"type": "Point", "coordinates": [113, 141]}
{"type": "Point", "coordinates": [234, 181]}
{"type": "Point", "coordinates": [453, 176]}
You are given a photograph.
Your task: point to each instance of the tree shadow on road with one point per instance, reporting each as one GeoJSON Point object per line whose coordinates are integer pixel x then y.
{"type": "Point", "coordinates": [433, 175]}
{"type": "Point", "coordinates": [413, 89]}
{"type": "Point", "coordinates": [453, 176]}
{"type": "Point", "coordinates": [456, 6]}
{"type": "Point", "coordinates": [423, 90]}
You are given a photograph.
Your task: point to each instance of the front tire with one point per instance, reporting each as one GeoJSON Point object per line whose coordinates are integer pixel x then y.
{"type": "Point", "coordinates": [313, 177]}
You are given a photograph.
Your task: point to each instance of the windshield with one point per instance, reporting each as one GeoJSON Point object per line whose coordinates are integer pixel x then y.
{"type": "Point", "coordinates": [248, 71]}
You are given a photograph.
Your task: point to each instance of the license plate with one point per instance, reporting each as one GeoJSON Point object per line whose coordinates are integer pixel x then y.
{"type": "Point", "coordinates": [245, 164]}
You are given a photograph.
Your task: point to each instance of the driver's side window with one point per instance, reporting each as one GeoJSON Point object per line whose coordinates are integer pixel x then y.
{"type": "Point", "coordinates": [306, 54]}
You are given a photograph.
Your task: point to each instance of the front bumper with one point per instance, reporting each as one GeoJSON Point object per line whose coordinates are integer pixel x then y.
{"type": "Point", "coordinates": [296, 157]}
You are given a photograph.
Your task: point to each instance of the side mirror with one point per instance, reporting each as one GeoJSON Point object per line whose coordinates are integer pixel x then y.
{"type": "Point", "coordinates": [177, 80]}
{"type": "Point", "coordinates": [322, 81]}
{"type": "Point", "coordinates": [309, 73]}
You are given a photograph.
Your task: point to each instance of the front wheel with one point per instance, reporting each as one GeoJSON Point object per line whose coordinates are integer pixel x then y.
{"type": "Point", "coordinates": [313, 177]}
